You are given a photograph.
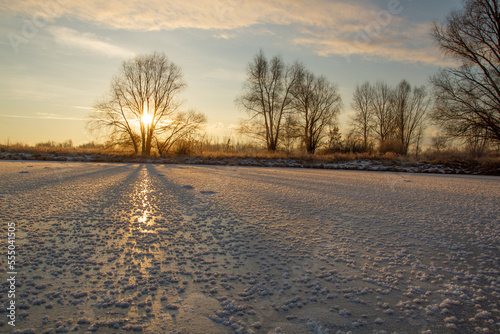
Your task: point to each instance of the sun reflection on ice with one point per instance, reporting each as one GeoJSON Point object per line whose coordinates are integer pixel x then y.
{"type": "Point", "coordinates": [143, 196]}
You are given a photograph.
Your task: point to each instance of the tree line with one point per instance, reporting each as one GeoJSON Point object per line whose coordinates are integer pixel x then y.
{"type": "Point", "coordinates": [394, 117]}
{"type": "Point", "coordinates": [287, 104]}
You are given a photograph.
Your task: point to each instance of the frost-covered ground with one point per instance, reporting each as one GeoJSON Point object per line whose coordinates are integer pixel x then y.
{"type": "Point", "coordinates": [119, 248]}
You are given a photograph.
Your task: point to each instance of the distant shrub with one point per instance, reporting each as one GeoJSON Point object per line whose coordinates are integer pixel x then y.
{"type": "Point", "coordinates": [391, 145]}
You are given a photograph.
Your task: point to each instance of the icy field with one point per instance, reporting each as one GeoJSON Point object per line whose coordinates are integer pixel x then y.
{"type": "Point", "coordinates": [122, 248]}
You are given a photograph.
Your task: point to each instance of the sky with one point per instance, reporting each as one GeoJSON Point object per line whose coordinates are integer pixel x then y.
{"type": "Point", "coordinates": [57, 57]}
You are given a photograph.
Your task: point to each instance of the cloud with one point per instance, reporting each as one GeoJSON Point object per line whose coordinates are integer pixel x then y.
{"type": "Point", "coordinates": [47, 116]}
{"type": "Point", "coordinates": [86, 41]}
{"type": "Point", "coordinates": [174, 14]}
{"type": "Point", "coordinates": [392, 50]}
{"type": "Point", "coordinates": [327, 27]}
{"type": "Point", "coordinates": [44, 114]}
{"type": "Point", "coordinates": [379, 35]}
{"type": "Point", "coordinates": [224, 35]}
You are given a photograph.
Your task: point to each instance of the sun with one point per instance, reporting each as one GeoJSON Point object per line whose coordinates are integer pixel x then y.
{"type": "Point", "coordinates": [147, 119]}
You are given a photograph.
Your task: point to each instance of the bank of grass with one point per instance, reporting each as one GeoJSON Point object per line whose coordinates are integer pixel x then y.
{"type": "Point", "coordinates": [58, 149]}
{"type": "Point", "coordinates": [451, 161]}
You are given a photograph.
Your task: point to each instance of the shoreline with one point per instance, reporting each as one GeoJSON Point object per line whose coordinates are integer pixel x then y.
{"type": "Point", "coordinates": [366, 164]}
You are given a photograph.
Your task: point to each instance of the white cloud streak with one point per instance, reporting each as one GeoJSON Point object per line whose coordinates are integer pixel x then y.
{"type": "Point", "coordinates": [48, 116]}
{"type": "Point", "coordinates": [86, 41]}
{"type": "Point", "coordinates": [327, 27]}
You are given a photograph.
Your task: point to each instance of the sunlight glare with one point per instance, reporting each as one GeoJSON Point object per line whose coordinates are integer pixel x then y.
{"type": "Point", "coordinates": [147, 119]}
{"type": "Point", "coordinates": [142, 195]}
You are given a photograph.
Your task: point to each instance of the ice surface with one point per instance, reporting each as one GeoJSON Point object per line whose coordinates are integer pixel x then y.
{"type": "Point", "coordinates": [123, 248]}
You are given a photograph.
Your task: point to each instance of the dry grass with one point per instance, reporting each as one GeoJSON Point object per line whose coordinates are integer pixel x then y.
{"type": "Point", "coordinates": [22, 148]}
{"type": "Point", "coordinates": [335, 157]}
{"type": "Point", "coordinates": [453, 159]}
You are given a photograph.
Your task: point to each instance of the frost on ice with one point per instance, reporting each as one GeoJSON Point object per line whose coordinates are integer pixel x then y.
{"type": "Point", "coordinates": [195, 249]}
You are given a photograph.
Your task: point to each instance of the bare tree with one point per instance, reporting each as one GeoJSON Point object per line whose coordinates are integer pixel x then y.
{"type": "Point", "coordinates": [410, 107]}
{"type": "Point", "coordinates": [291, 132]}
{"type": "Point", "coordinates": [383, 124]}
{"type": "Point", "coordinates": [181, 125]}
{"type": "Point", "coordinates": [266, 98]}
{"type": "Point", "coordinates": [468, 97]}
{"type": "Point", "coordinates": [439, 143]}
{"type": "Point", "coordinates": [335, 142]}
{"type": "Point", "coordinates": [476, 142]}
{"type": "Point", "coordinates": [362, 120]}
{"type": "Point", "coordinates": [317, 103]}
{"type": "Point", "coordinates": [419, 135]}
{"type": "Point", "coordinates": [114, 122]}
{"type": "Point", "coordinates": [141, 101]}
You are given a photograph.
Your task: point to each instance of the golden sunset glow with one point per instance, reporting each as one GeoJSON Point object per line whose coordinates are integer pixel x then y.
{"type": "Point", "coordinates": [147, 119]}
{"type": "Point", "coordinates": [250, 166]}
{"type": "Point", "coordinates": [211, 41]}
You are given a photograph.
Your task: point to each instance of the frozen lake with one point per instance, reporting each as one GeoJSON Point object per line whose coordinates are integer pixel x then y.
{"type": "Point", "coordinates": [118, 248]}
